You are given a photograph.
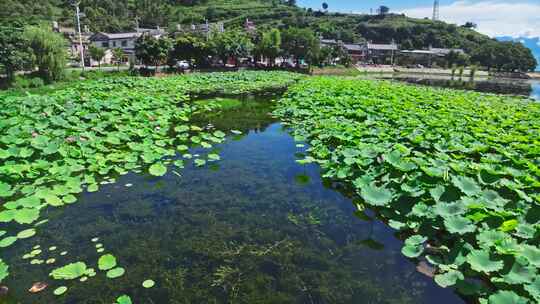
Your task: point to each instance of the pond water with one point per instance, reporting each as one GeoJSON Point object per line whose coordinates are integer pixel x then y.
{"type": "Point", "coordinates": [255, 227]}
{"type": "Point", "coordinates": [525, 88]}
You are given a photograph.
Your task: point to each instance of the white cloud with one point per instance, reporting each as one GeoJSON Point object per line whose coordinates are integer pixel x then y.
{"type": "Point", "coordinates": [494, 17]}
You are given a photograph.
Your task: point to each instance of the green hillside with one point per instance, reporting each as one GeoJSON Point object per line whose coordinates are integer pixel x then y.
{"type": "Point", "coordinates": [409, 33]}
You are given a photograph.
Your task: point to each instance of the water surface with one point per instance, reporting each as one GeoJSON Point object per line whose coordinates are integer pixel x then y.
{"type": "Point", "coordinates": [255, 227]}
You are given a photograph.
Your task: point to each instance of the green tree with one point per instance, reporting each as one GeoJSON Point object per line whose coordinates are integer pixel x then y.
{"type": "Point", "coordinates": [232, 44]}
{"type": "Point", "coordinates": [193, 49]}
{"type": "Point", "coordinates": [118, 54]}
{"type": "Point", "coordinates": [49, 52]}
{"type": "Point", "coordinates": [152, 51]}
{"type": "Point", "coordinates": [270, 45]}
{"type": "Point", "coordinates": [302, 44]}
{"type": "Point", "coordinates": [97, 54]}
{"type": "Point", "coordinates": [14, 51]}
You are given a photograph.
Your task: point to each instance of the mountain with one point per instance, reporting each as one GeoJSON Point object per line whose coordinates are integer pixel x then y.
{"type": "Point", "coordinates": [532, 43]}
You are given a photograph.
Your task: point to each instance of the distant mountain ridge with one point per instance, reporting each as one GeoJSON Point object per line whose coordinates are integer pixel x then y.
{"type": "Point", "coordinates": [532, 43]}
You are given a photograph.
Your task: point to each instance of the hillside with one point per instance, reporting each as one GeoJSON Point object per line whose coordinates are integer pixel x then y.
{"type": "Point", "coordinates": [116, 16]}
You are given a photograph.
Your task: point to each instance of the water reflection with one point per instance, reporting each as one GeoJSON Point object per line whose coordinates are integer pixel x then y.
{"type": "Point", "coordinates": [525, 88]}
{"type": "Point", "coordinates": [259, 228]}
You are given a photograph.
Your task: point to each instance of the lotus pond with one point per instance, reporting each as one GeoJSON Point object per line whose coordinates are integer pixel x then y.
{"type": "Point", "coordinates": [135, 190]}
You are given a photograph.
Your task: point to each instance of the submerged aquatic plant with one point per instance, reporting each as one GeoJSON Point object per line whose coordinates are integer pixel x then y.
{"type": "Point", "coordinates": [54, 147]}
{"type": "Point", "coordinates": [457, 171]}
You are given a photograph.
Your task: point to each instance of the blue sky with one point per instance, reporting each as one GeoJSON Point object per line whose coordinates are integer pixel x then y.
{"type": "Point", "coordinates": [515, 18]}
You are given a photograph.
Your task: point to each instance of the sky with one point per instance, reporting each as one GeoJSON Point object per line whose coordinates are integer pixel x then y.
{"type": "Point", "coordinates": [513, 18]}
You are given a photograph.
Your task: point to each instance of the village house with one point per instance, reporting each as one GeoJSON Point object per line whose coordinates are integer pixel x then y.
{"type": "Point", "coordinates": [381, 53]}
{"type": "Point", "coordinates": [125, 41]}
{"type": "Point", "coordinates": [426, 57]}
{"type": "Point", "coordinates": [204, 29]}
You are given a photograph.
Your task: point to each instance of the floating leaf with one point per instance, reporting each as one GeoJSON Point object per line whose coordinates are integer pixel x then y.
{"type": "Point", "coordinates": [449, 278]}
{"type": "Point", "coordinates": [377, 196]}
{"type": "Point", "coordinates": [157, 169]}
{"type": "Point", "coordinates": [115, 273]}
{"type": "Point", "coordinates": [8, 241]}
{"type": "Point", "coordinates": [148, 284]}
{"type": "Point", "coordinates": [106, 262]}
{"type": "Point", "coordinates": [69, 272]}
{"type": "Point", "coordinates": [459, 225]}
{"type": "Point", "coordinates": [467, 185]}
{"type": "Point", "coordinates": [26, 233]}
{"type": "Point", "coordinates": [123, 300]}
{"type": "Point", "coordinates": [506, 297]}
{"type": "Point", "coordinates": [60, 290]}
{"type": "Point", "coordinates": [4, 270]}
{"type": "Point", "coordinates": [481, 261]}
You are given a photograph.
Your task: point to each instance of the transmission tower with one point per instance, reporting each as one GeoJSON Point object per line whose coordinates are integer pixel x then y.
{"type": "Point", "coordinates": [436, 15]}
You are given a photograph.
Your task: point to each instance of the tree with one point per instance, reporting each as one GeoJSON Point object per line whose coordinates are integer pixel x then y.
{"type": "Point", "coordinates": [118, 54]}
{"type": "Point", "coordinates": [232, 44]}
{"type": "Point", "coordinates": [152, 51]}
{"type": "Point", "coordinates": [325, 6]}
{"type": "Point", "coordinates": [383, 10]}
{"type": "Point", "coordinates": [193, 49]}
{"type": "Point", "coordinates": [302, 44]}
{"type": "Point", "coordinates": [15, 54]}
{"type": "Point", "coordinates": [270, 45]}
{"type": "Point", "coordinates": [470, 25]}
{"type": "Point", "coordinates": [457, 58]}
{"type": "Point", "coordinates": [96, 54]}
{"type": "Point", "coordinates": [49, 52]}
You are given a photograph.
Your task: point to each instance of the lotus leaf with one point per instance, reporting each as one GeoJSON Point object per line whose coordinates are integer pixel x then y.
{"type": "Point", "coordinates": [506, 297]}
{"type": "Point", "coordinates": [148, 284]}
{"type": "Point", "coordinates": [115, 273]}
{"type": "Point", "coordinates": [60, 290]}
{"type": "Point", "coordinates": [378, 196]}
{"type": "Point", "coordinates": [69, 272]}
{"type": "Point", "coordinates": [157, 169]}
{"type": "Point", "coordinates": [26, 233]}
{"type": "Point", "coordinates": [481, 261]}
{"type": "Point", "coordinates": [106, 262]}
{"type": "Point", "coordinates": [449, 278]}
{"type": "Point", "coordinates": [123, 300]}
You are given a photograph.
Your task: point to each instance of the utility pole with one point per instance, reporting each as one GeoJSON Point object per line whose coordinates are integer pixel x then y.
{"type": "Point", "coordinates": [81, 47]}
{"type": "Point", "coordinates": [436, 8]}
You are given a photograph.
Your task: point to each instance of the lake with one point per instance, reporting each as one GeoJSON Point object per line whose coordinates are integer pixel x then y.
{"type": "Point", "coordinates": [255, 227]}
{"type": "Point", "coordinates": [524, 88]}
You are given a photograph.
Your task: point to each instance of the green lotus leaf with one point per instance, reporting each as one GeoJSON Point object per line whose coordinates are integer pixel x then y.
{"type": "Point", "coordinates": [125, 299]}
{"type": "Point", "coordinates": [533, 289]}
{"type": "Point", "coordinates": [213, 157]}
{"type": "Point", "coordinates": [5, 190]}
{"type": "Point", "coordinates": [4, 270]}
{"type": "Point", "coordinates": [449, 209]}
{"type": "Point", "coordinates": [532, 254]}
{"type": "Point", "coordinates": [415, 240]}
{"type": "Point", "coordinates": [467, 185]}
{"type": "Point", "coordinates": [377, 196]}
{"type": "Point", "coordinates": [158, 169]}
{"type": "Point", "coordinates": [506, 297]}
{"type": "Point", "coordinates": [26, 215]}
{"type": "Point", "coordinates": [92, 188]}
{"type": "Point", "coordinates": [7, 216]}
{"type": "Point", "coordinates": [526, 231]}
{"type": "Point", "coordinates": [481, 261]}
{"type": "Point", "coordinates": [200, 162]}
{"type": "Point", "coordinates": [8, 241]}
{"type": "Point", "coordinates": [459, 225]}
{"type": "Point", "coordinates": [519, 274]}
{"type": "Point", "coordinates": [449, 278]}
{"type": "Point", "coordinates": [60, 290]}
{"type": "Point", "coordinates": [115, 273]}
{"type": "Point", "coordinates": [69, 272]}
{"type": "Point", "coordinates": [509, 225]}
{"type": "Point", "coordinates": [437, 192]}
{"type": "Point", "coordinates": [412, 251]}
{"type": "Point", "coordinates": [488, 238]}
{"type": "Point", "coordinates": [148, 284]}
{"type": "Point", "coordinates": [26, 233]}
{"type": "Point", "coordinates": [106, 262]}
